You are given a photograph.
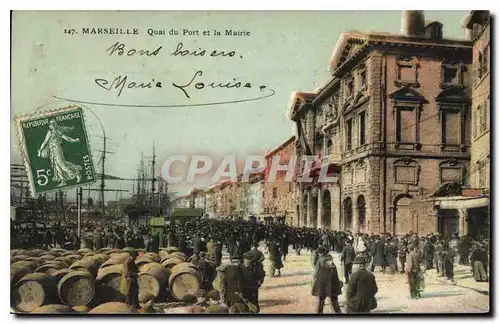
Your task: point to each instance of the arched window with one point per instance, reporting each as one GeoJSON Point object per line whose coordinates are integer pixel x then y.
{"type": "Point", "coordinates": [361, 213]}
{"type": "Point", "coordinates": [348, 213]}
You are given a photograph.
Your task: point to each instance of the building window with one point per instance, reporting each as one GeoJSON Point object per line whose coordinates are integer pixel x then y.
{"type": "Point", "coordinates": [484, 124]}
{"type": "Point", "coordinates": [482, 178]}
{"type": "Point", "coordinates": [349, 134]}
{"type": "Point", "coordinates": [290, 188]}
{"type": "Point", "coordinates": [362, 128]}
{"type": "Point", "coordinates": [480, 117]}
{"type": "Point", "coordinates": [263, 193]}
{"type": "Point", "coordinates": [350, 87]}
{"type": "Point", "coordinates": [450, 75]}
{"type": "Point", "coordinates": [486, 66]}
{"type": "Point", "coordinates": [405, 124]}
{"type": "Point", "coordinates": [475, 121]}
{"type": "Point", "coordinates": [275, 193]}
{"type": "Point", "coordinates": [406, 71]}
{"type": "Point", "coordinates": [450, 127]}
{"type": "Point", "coordinates": [328, 150]}
{"type": "Point", "coordinates": [362, 79]}
{"type": "Point", "coordinates": [480, 67]}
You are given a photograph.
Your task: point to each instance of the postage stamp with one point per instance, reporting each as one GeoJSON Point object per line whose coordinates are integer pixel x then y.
{"type": "Point", "coordinates": [56, 150]}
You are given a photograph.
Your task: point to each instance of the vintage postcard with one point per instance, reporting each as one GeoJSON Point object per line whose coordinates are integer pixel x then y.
{"type": "Point", "coordinates": [250, 162]}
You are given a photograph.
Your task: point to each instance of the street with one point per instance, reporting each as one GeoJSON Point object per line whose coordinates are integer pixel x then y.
{"type": "Point", "coordinates": [291, 293]}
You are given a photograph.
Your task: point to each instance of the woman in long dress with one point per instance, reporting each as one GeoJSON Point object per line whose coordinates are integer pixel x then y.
{"type": "Point", "coordinates": [51, 148]}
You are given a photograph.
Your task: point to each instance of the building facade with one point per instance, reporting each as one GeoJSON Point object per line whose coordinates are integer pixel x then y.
{"type": "Point", "coordinates": [279, 194]}
{"type": "Point", "coordinates": [255, 200]}
{"type": "Point", "coordinates": [394, 123]}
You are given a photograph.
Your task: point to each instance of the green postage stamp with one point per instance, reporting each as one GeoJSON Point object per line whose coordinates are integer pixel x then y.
{"type": "Point", "coordinates": [56, 150]}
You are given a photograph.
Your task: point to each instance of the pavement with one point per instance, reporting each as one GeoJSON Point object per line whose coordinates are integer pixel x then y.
{"type": "Point", "coordinates": [291, 293]}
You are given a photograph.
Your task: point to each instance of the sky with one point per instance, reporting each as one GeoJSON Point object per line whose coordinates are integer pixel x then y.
{"type": "Point", "coordinates": [286, 51]}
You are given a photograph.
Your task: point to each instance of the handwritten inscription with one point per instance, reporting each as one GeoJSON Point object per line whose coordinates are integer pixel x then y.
{"type": "Point", "coordinates": [124, 82]}
{"type": "Point", "coordinates": [179, 51]}
{"type": "Point", "coordinates": [119, 49]}
{"type": "Point", "coordinates": [210, 84]}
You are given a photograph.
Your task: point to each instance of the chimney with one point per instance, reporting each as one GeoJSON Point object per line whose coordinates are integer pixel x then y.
{"type": "Point", "coordinates": [413, 23]}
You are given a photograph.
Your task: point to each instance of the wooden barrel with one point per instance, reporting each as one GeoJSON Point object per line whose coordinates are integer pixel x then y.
{"type": "Point", "coordinates": [19, 257]}
{"type": "Point", "coordinates": [179, 255]}
{"type": "Point", "coordinates": [108, 283]}
{"type": "Point", "coordinates": [31, 264]}
{"type": "Point", "coordinates": [163, 255]}
{"type": "Point", "coordinates": [52, 309]}
{"type": "Point", "coordinates": [152, 279]}
{"type": "Point", "coordinates": [81, 309]}
{"type": "Point", "coordinates": [185, 279]}
{"type": "Point", "coordinates": [119, 254]}
{"type": "Point", "coordinates": [74, 256]}
{"type": "Point", "coordinates": [101, 257]}
{"type": "Point", "coordinates": [33, 291]}
{"type": "Point", "coordinates": [76, 288]}
{"type": "Point", "coordinates": [142, 260]}
{"type": "Point", "coordinates": [14, 252]}
{"type": "Point", "coordinates": [153, 256]}
{"type": "Point", "coordinates": [171, 249]}
{"type": "Point", "coordinates": [50, 267]}
{"type": "Point", "coordinates": [20, 269]}
{"type": "Point", "coordinates": [66, 260]}
{"type": "Point", "coordinates": [37, 260]}
{"type": "Point", "coordinates": [111, 251]}
{"type": "Point", "coordinates": [87, 264]}
{"type": "Point", "coordinates": [118, 259]}
{"type": "Point", "coordinates": [37, 252]}
{"type": "Point", "coordinates": [170, 263]}
{"type": "Point", "coordinates": [59, 274]}
{"type": "Point", "coordinates": [84, 251]}
{"type": "Point", "coordinates": [48, 257]}
{"type": "Point", "coordinates": [112, 308]}
{"type": "Point", "coordinates": [89, 254]}
{"type": "Point", "coordinates": [72, 252]}
{"type": "Point", "coordinates": [55, 252]}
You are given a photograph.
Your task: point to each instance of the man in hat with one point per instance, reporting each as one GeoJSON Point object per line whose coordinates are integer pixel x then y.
{"type": "Point", "coordinates": [413, 270]}
{"type": "Point", "coordinates": [254, 277]}
{"type": "Point", "coordinates": [361, 289]}
{"type": "Point", "coordinates": [378, 254]}
{"type": "Point", "coordinates": [326, 281]}
{"type": "Point", "coordinates": [402, 251]}
{"type": "Point", "coordinates": [391, 252]}
{"type": "Point", "coordinates": [128, 284]}
{"type": "Point", "coordinates": [347, 258]}
{"type": "Point", "coordinates": [439, 256]}
{"type": "Point", "coordinates": [275, 258]}
{"type": "Point", "coordinates": [232, 281]}
{"type": "Point", "coordinates": [479, 260]}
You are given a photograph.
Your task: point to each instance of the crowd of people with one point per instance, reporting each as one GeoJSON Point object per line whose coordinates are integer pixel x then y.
{"type": "Point", "coordinates": [204, 240]}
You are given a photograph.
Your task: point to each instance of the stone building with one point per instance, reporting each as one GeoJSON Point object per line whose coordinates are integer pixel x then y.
{"type": "Point", "coordinates": [394, 122]}
{"type": "Point", "coordinates": [279, 197]}
{"type": "Point", "coordinates": [472, 205]}
{"type": "Point", "coordinates": [255, 200]}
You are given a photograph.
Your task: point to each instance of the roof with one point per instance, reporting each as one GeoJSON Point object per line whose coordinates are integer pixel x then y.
{"type": "Point", "coordinates": [297, 99]}
{"type": "Point", "coordinates": [476, 16]}
{"type": "Point", "coordinates": [352, 43]}
{"type": "Point", "coordinates": [280, 147]}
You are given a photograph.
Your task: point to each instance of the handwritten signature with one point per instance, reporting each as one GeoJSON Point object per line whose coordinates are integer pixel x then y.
{"type": "Point", "coordinates": [122, 82]}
